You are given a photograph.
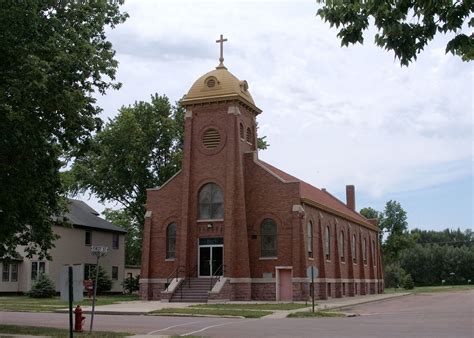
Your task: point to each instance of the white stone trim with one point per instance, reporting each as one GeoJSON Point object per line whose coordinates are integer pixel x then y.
{"type": "Point", "coordinates": [148, 214]}
{"type": "Point", "coordinates": [219, 285]}
{"type": "Point", "coordinates": [298, 208]}
{"type": "Point", "coordinates": [302, 280]}
{"type": "Point", "coordinates": [173, 285]}
{"type": "Point", "coordinates": [234, 110]}
{"type": "Point", "coordinates": [188, 114]}
{"type": "Point", "coordinates": [240, 280]}
{"type": "Point", "coordinates": [152, 280]}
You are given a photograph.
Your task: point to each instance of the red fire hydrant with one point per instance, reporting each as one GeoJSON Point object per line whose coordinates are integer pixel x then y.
{"type": "Point", "coordinates": [79, 322]}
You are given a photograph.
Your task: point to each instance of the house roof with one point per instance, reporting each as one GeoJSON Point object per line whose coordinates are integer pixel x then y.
{"type": "Point", "coordinates": [83, 215]}
{"type": "Point", "coordinates": [320, 197]}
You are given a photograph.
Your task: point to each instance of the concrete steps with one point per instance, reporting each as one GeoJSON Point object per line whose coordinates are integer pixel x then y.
{"type": "Point", "coordinates": [193, 290]}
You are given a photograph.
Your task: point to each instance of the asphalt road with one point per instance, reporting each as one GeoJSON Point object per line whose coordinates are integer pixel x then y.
{"type": "Point", "coordinates": [425, 315]}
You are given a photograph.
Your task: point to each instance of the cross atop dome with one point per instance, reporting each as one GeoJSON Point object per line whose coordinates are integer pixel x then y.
{"type": "Point", "coordinates": [221, 58]}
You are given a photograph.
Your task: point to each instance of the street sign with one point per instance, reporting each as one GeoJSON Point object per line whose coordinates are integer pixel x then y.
{"type": "Point", "coordinates": [99, 249]}
{"type": "Point", "coordinates": [312, 272]}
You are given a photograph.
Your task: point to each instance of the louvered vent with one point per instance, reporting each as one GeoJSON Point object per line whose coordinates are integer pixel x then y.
{"type": "Point", "coordinates": [211, 139]}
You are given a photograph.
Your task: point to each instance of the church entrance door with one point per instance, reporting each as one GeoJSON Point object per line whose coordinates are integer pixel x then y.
{"type": "Point", "coordinates": [210, 256]}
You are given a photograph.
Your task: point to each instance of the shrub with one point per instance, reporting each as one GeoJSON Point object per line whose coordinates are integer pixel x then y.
{"type": "Point", "coordinates": [104, 283]}
{"type": "Point", "coordinates": [43, 287]}
{"type": "Point", "coordinates": [408, 283]}
{"type": "Point", "coordinates": [394, 276]}
{"type": "Point", "coordinates": [131, 284]}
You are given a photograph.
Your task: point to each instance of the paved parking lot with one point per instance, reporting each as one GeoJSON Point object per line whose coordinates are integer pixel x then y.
{"type": "Point", "coordinates": [424, 315]}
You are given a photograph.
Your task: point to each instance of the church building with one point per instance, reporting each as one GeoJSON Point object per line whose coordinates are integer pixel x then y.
{"type": "Point", "coordinates": [229, 226]}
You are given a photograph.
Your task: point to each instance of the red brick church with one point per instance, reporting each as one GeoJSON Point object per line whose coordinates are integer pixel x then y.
{"type": "Point", "coordinates": [229, 226]}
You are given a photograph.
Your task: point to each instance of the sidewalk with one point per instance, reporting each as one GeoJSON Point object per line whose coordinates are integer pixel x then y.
{"type": "Point", "coordinates": [144, 307]}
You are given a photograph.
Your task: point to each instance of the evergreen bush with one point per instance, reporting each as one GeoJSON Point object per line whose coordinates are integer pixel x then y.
{"type": "Point", "coordinates": [104, 283]}
{"type": "Point", "coordinates": [43, 287]}
{"type": "Point", "coordinates": [408, 283]}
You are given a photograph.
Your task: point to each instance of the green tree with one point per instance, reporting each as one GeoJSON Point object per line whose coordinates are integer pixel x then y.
{"type": "Point", "coordinates": [371, 213]}
{"type": "Point", "coordinates": [104, 283]}
{"type": "Point", "coordinates": [139, 149]}
{"type": "Point", "coordinates": [405, 27]}
{"type": "Point", "coordinates": [133, 238]}
{"type": "Point", "coordinates": [54, 57]}
{"type": "Point", "coordinates": [43, 287]}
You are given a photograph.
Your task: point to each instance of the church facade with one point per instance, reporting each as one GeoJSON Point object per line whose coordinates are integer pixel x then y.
{"type": "Point", "coordinates": [246, 227]}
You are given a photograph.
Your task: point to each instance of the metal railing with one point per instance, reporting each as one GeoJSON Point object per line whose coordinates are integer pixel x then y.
{"type": "Point", "coordinates": [218, 274]}
{"type": "Point", "coordinates": [174, 274]}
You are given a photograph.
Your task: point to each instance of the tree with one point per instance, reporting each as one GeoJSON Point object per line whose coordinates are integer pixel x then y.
{"type": "Point", "coordinates": [133, 238]}
{"type": "Point", "coordinates": [405, 27]}
{"type": "Point", "coordinates": [370, 213]}
{"type": "Point", "coordinates": [43, 287]}
{"type": "Point", "coordinates": [104, 283]}
{"type": "Point", "coordinates": [54, 58]}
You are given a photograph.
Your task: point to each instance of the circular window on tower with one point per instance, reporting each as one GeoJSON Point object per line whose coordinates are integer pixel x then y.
{"type": "Point", "coordinates": [211, 138]}
{"type": "Point", "coordinates": [211, 82]}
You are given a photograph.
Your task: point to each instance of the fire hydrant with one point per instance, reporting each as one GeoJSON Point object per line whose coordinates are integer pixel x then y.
{"type": "Point", "coordinates": [79, 319]}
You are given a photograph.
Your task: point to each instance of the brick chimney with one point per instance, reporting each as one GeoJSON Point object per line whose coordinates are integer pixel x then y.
{"type": "Point", "coordinates": [350, 197]}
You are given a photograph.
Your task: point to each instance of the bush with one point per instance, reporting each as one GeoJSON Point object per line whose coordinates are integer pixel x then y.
{"type": "Point", "coordinates": [408, 283]}
{"type": "Point", "coordinates": [131, 284]}
{"type": "Point", "coordinates": [104, 283]}
{"type": "Point", "coordinates": [394, 276]}
{"type": "Point", "coordinates": [43, 287]}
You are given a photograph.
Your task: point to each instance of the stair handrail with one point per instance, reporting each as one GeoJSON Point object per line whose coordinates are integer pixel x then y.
{"type": "Point", "coordinates": [218, 274]}
{"type": "Point", "coordinates": [174, 274]}
{"type": "Point", "coordinates": [190, 273]}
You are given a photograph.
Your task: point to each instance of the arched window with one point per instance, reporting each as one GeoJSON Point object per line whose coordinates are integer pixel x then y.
{"type": "Point", "coordinates": [249, 135]}
{"type": "Point", "coordinates": [241, 131]}
{"type": "Point", "coordinates": [341, 246]}
{"type": "Point", "coordinates": [373, 252]}
{"type": "Point", "coordinates": [364, 252]}
{"type": "Point", "coordinates": [327, 243]}
{"type": "Point", "coordinates": [268, 234]}
{"type": "Point", "coordinates": [353, 249]}
{"type": "Point", "coordinates": [171, 241]}
{"type": "Point", "coordinates": [211, 202]}
{"type": "Point", "coordinates": [310, 239]}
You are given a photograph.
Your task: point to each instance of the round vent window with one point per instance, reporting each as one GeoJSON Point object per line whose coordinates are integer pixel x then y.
{"type": "Point", "coordinates": [211, 138]}
{"type": "Point", "coordinates": [211, 82]}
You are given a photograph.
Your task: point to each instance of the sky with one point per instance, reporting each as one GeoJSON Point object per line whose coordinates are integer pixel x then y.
{"type": "Point", "coordinates": [332, 115]}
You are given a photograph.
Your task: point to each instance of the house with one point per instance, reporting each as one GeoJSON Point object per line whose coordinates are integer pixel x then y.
{"type": "Point", "coordinates": [73, 247]}
{"type": "Point", "coordinates": [230, 217]}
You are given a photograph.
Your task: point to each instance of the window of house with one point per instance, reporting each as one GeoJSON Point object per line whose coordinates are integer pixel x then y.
{"type": "Point", "coordinates": [353, 249]}
{"type": "Point", "coordinates": [365, 251]}
{"type": "Point", "coordinates": [249, 135]}
{"type": "Point", "coordinates": [373, 252]}
{"type": "Point", "coordinates": [115, 241]}
{"type": "Point", "coordinates": [241, 130]}
{"type": "Point", "coordinates": [88, 271]}
{"type": "Point", "coordinates": [37, 268]}
{"type": "Point", "coordinates": [310, 239]}
{"type": "Point", "coordinates": [268, 234]}
{"type": "Point", "coordinates": [327, 244]}
{"type": "Point", "coordinates": [211, 202]}
{"type": "Point", "coordinates": [6, 272]}
{"type": "Point", "coordinates": [14, 275]}
{"type": "Point", "coordinates": [88, 239]}
{"type": "Point", "coordinates": [115, 273]}
{"type": "Point", "coordinates": [342, 246]}
{"type": "Point", "coordinates": [171, 241]}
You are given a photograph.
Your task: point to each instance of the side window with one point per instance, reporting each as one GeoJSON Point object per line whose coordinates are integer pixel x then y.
{"type": "Point", "coordinates": [268, 235]}
{"type": "Point", "coordinates": [211, 202]}
{"type": "Point", "coordinates": [37, 268]}
{"type": "Point", "coordinates": [115, 273]}
{"type": "Point", "coordinates": [373, 252]}
{"type": "Point", "coordinates": [241, 131]}
{"type": "Point", "coordinates": [249, 135]}
{"type": "Point", "coordinates": [171, 241]}
{"type": "Point", "coordinates": [6, 272]}
{"type": "Point", "coordinates": [353, 248]}
{"type": "Point", "coordinates": [342, 246]}
{"type": "Point", "coordinates": [88, 238]}
{"type": "Point", "coordinates": [14, 275]}
{"type": "Point", "coordinates": [310, 239]}
{"type": "Point", "coordinates": [365, 251]}
{"type": "Point", "coordinates": [115, 241]}
{"type": "Point", "coordinates": [327, 243]}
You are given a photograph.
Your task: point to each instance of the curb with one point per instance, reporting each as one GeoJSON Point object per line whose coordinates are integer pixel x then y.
{"type": "Point", "coordinates": [365, 302]}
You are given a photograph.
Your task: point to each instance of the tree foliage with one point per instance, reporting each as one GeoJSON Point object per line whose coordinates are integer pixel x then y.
{"type": "Point", "coordinates": [43, 287]}
{"type": "Point", "coordinates": [133, 238]}
{"type": "Point", "coordinates": [104, 283]}
{"type": "Point", "coordinates": [404, 27]}
{"type": "Point", "coordinates": [54, 57]}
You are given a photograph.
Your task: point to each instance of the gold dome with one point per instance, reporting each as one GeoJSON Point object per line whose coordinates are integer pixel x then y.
{"type": "Point", "coordinates": [219, 85]}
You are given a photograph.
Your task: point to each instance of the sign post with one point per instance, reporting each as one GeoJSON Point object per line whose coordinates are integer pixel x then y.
{"type": "Point", "coordinates": [98, 251]}
{"type": "Point", "coordinates": [71, 297]}
{"type": "Point", "coordinates": [312, 272]}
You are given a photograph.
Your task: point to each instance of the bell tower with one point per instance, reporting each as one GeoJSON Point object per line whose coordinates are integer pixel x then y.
{"type": "Point", "coordinates": [220, 126]}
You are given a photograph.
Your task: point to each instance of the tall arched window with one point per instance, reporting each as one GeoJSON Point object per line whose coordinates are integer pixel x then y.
{"type": "Point", "coordinates": [353, 248]}
{"type": "Point", "coordinates": [327, 243]}
{"type": "Point", "coordinates": [171, 241]}
{"type": "Point", "coordinates": [310, 239]}
{"type": "Point", "coordinates": [241, 130]}
{"type": "Point", "coordinates": [373, 252]}
{"type": "Point", "coordinates": [364, 252]}
{"type": "Point", "coordinates": [249, 135]}
{"type": "Point", "coordinates": [268, 234]}
{"type": "Point", "coordinates": [211, 202]}
{"type": "Point", "coordinates": [341, 246]}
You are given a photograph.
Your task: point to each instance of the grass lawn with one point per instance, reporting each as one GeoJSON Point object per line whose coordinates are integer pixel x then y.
{"type": "Point", "coordinates": [54, 332]}
{"type": "Point", "coordinates": [27, 304]}
{"type": "Point", "coordinates": [430, 289]}
{"type": "Point", "coordinates": [214, 312]}
{"type": "Point", "coordinates": [267, 306]}
{"type": "Point", "coordinates": [309, 314]}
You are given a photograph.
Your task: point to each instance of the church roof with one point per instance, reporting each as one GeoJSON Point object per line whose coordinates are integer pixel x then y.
{"type": "Point", "coordinates": [320, 197]}
{"type": "Point", "coordinates": [218, 85]}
